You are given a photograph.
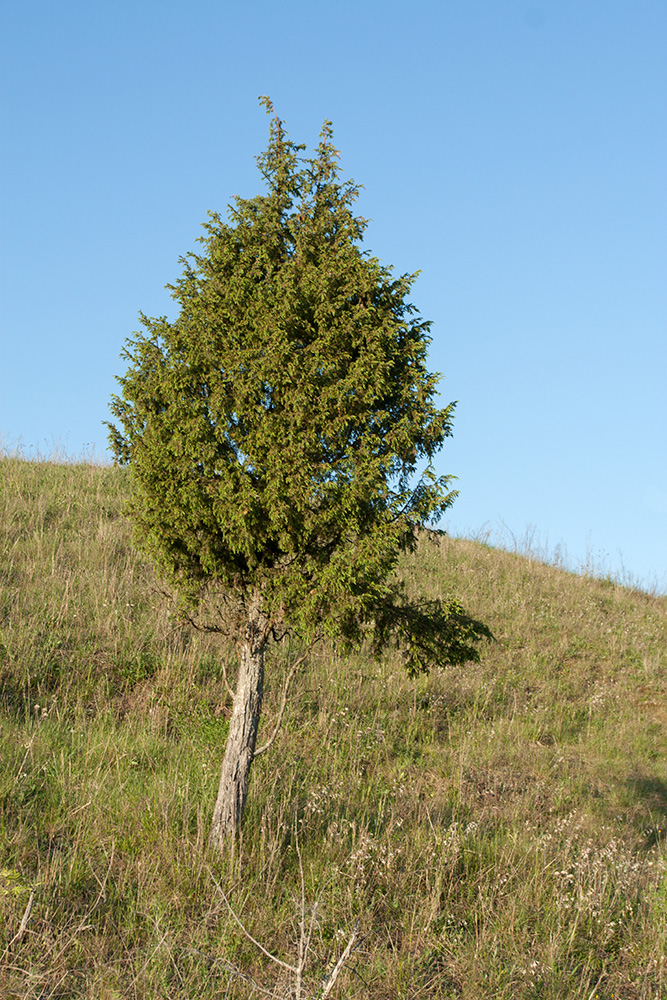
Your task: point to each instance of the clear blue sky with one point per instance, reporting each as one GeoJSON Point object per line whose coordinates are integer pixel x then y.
{"type": "Point", "coordinates": [515, 152]}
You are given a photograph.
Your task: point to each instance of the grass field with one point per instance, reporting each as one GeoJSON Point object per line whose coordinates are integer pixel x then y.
{"type": "Point", "coordinates": [498, 831]}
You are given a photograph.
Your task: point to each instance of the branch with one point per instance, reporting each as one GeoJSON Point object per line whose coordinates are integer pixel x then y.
{"type": "Point", "coordinates": [232, 970]}
{"type": "Point", "coordinates": [303, 949]}
{"type": "Point", "coordinates": [216, 629]}
{"type": "Point", "coordinates": [290, 968]}
{"type": "Point", "coordinates": [304, 939]}
{"type": "Point", "coordinates": [184, 616]}
{"type": "Point", "coordinates": [230, 692]}
{"type": "Point", "coordinates": [295, 666]}
{"type": "Point", "coordinates": [297, 663]}
{"type": "Point", "coordinates": [24, 923]}
{"type": "Point", "coordinates": [330, 980]}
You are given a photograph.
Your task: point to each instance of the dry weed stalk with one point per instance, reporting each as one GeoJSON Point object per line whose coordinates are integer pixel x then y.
{"type": "Point", "coordinates": [296, 989]}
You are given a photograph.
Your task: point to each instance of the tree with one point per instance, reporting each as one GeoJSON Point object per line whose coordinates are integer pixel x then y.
{"type": "Point", "coordinates": [274, 433]}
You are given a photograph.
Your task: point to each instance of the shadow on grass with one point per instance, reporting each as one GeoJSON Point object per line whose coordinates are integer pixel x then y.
{"type": "Point", "coordinates": [652, 792]}
{"type": "Point", "coordinates": [13, 700]}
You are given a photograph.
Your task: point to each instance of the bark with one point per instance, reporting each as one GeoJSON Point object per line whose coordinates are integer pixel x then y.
{"type": "Point", "coordinates": [242, 737]}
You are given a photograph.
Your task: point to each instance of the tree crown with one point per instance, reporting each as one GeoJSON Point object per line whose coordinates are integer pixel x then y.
{"type": "Point", "coordinates": [274, 429]}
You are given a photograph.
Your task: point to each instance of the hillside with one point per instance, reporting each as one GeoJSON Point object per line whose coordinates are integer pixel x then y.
{"type": "Point", "coordinates": [497, 830]}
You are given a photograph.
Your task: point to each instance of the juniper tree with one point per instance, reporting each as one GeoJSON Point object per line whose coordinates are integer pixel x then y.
{"type": "Point", "coordinates": [280, 434]}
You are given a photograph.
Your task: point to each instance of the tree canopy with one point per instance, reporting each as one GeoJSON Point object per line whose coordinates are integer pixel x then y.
{"type": "Point", "coordinates": [275, 427]}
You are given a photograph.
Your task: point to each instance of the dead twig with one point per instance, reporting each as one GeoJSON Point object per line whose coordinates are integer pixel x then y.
{"type": "Point", "coordinates": [305, 937]}
{"type": "Point", "coordinates": [278, 961]}
{"type": "Point", "coordinates": [24, 923]}
{"type": "Point", "coordinates": [331, 979]}
{"type": "Point", "coordinates": [295, 666]}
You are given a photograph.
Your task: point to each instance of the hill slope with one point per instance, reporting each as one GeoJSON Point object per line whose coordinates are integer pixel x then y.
{"type": "Point", "coordinates": [499, 831]}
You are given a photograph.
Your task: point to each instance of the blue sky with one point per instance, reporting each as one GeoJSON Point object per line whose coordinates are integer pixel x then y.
{"type": "Point", "coordinates": [514, 152]}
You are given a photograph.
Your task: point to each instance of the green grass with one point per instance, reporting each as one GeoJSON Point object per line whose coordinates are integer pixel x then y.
{"type": "Point", "coordinates": [499, 831]}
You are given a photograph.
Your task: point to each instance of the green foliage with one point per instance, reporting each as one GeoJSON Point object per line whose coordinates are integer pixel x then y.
{"type": "Point", "coordinates": [274, 430]}
{"type": "Point", "coordinates": [11, 883]}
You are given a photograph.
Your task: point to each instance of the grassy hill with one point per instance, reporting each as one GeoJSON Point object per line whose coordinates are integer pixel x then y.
{"type": "Point", "coordinates": [498, 831]}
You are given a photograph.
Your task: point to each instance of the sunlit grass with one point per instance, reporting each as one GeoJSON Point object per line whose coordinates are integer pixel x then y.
{"type": "Point", "coordinates": [499, 831]}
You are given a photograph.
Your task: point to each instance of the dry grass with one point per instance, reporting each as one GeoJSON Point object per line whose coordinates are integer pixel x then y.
{"type": "Point", "coordinates": [498, 831]}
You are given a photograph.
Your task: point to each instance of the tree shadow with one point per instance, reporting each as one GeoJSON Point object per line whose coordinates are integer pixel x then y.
{"type": "Point", "coordinates": [651, 792]}
{"type": "Point", "coordinates": [13, 700]}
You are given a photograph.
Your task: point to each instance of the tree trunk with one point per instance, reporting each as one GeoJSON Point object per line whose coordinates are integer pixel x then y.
{"type": "Point", "coordinates": [242, 736]}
